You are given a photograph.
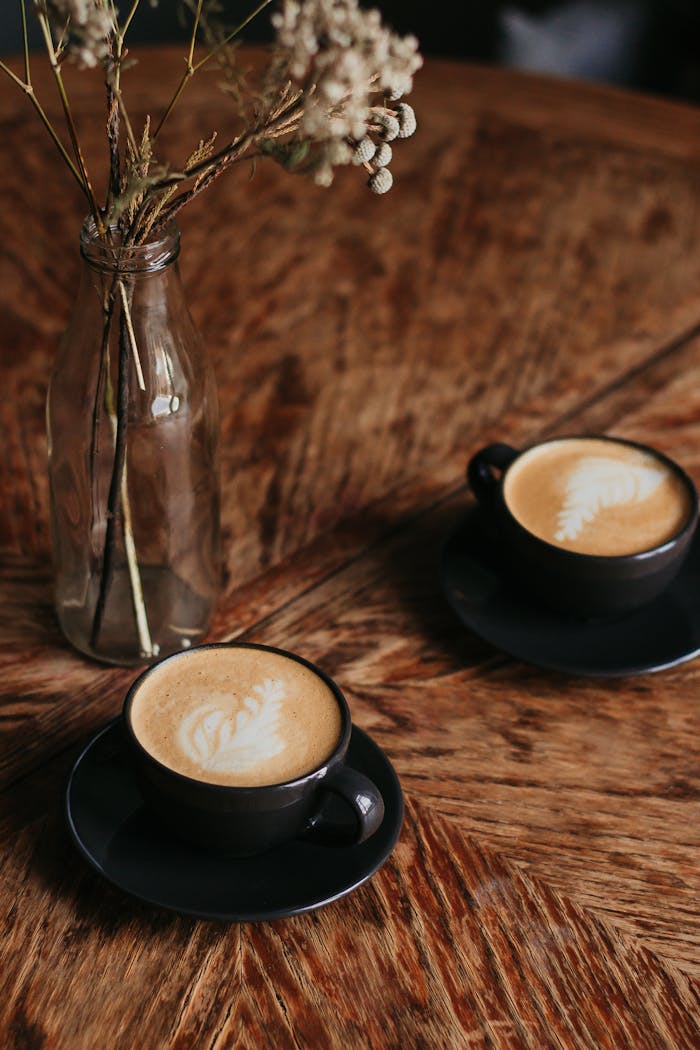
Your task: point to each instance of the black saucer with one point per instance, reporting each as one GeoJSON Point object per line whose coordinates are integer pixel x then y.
{"type": "Point", "coordinates": [662, 634]}
{"type": "Point", "coordinates": [116, 835]}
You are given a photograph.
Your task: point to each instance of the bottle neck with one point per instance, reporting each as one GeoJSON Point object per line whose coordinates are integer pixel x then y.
{"type": "Point", "coordinates": [109, 255]}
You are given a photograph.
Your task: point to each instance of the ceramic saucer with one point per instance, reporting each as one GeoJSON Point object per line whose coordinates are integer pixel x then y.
{"type": "Point", "coordinates": [662, 634]}
{"type": "Point", "coordinates": [116, 834]}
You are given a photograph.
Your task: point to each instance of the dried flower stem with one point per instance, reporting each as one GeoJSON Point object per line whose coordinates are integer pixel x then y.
{"type": "Point", "coordinates": [27, 87]}
{"type": "Point", "coordinates": [144, 632]}
{"type": "Point", "coordinates": [103, 369]}
{"type": "Point", "coordinates": [118, 505]}
{"type": "Point", "coordinates": [72, 131]}
{"type": "Point", "coordinates": [127, 124]}
{"type": "Point", "coordinates": [29, 92]}
{"type": "Point", "coordinates": [113, 85]}
{"type": "Point", "coordinates": [115, 486]}
{"type": "Point", "coordinates": [280, 123]}
{"type": "Point", "coordinates": [219, 162]}
{"type": "Point", "coordinates": [113, 143]}
{"type": "Point", "coordinates": [206, 171]}
{"type": "Point", "coordinates": [132, 561]}
{"type": "Point", "coordinates": [114, 82]}
{"type": "Point", "coordinates": [191, 69]}
{"type": "Point", "coordinates": [234, 33]}
{"type": "Point", "coordinates": [127, 22]}
{"type": "Point", "coordinates": [25, 42]}
{"type": "Point", "coordinates": [132, 337]}
{"type": "Point", "coordinates": [118, 497]}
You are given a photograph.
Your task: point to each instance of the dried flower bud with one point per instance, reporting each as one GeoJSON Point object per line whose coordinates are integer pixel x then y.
{"type": "Point", "coordinates": [395, 94]}
{"type": "Point", "coordinates": [381, 181]}
{"type": "Point", "coordinates": [323, 175]}
{"type": "Point", "coordinates": [389, 125]}
{"type": "Point", "coordinates": [364, 151]}
{"type": "Point", "coordinates": [407, 120]}
{"type": "Point", "coordinates": [337, 152]}
{"type": "Point", "coordinates": [383, 157]}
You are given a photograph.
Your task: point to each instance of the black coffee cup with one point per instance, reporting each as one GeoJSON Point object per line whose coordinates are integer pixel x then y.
{"type": "Point", "coordinates": [583, 584]}
{"type": "Point", "coordinates": [331, 804]}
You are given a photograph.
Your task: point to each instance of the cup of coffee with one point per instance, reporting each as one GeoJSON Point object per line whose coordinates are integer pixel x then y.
{"type": "Point", "coordinates": [239, 747]}
{"type": "Point", "coordinates": [592, 525]}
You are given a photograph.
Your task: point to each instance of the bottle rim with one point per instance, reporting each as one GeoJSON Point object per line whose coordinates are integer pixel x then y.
{"type": "Point", "coordinates": [110, 256]}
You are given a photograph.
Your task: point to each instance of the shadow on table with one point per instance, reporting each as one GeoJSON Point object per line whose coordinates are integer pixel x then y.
{"type": "Point", "coordinates": [82, 905]}
{"type": "Point", "coordinates": [394, 597]}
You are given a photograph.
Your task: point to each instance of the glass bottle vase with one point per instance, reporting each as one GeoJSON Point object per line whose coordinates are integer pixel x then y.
{"type": "Point", "coordinates": [132, 422]}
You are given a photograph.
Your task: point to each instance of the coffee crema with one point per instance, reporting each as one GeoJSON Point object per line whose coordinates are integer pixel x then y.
{"type": "Point", "coordinates": [597, 496]}
{"type": "Point", "coordinates": [236, 716]}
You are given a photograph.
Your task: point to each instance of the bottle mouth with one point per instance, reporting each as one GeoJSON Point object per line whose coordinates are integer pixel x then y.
{"type": "Point", "coordinates": [111, 255]}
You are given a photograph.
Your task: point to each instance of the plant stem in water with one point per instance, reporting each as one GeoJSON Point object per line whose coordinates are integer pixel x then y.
{"type": "Point", "coordinates": [118, 506]}
{"type": "Point", "coordinates": [126, 314]}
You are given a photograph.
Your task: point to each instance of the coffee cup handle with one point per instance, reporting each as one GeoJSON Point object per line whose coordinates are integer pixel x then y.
{"type": "Point", "coordinates": [361, 795]}
{"type": "Point", "coordinates": [480, 469]}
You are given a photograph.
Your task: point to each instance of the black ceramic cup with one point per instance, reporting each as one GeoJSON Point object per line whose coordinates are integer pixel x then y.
{"type": "Point", "coordinates": [589, 586]}
{"type": "Point", "coordinates": [331, 804]}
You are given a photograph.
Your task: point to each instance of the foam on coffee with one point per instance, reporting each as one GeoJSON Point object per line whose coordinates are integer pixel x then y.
{"type": "Point", "coordinates": [597, 496]}
{"type": "Point", "coordinates": [236, 716]}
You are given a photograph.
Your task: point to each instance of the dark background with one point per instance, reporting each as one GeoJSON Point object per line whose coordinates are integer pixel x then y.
{"type": "Point", "coordinates": [649, 44]}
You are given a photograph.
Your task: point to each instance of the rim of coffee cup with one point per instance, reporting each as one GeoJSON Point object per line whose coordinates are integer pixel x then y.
{"type": "Point", "coordinates": [239, 789]}
{"type": "Point", "coordinates": [648, 552]}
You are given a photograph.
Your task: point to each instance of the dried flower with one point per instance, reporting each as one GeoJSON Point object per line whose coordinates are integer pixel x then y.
{"type": "Point", "coordinates": [381, 181]}
{"type": "Point", "coordinates": [323, 174]}
{"type": "Point", "coordinates": [88, 24]}
{"type": "Point", "coordinates": [389, 127]}
{"type": "Point", "coordinates": [364, 151]}
{"type": "Point", "coordinates": [407, 120]}
{"type": "Point", "coordinates": [384, 155]}
{"type": "Point", "coordinates": [340, 55]}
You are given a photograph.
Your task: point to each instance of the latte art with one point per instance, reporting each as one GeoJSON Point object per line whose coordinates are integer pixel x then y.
{"type": "Point", "coordinates": [599, 482]}
{"type": "Point", "coordinates": [220, 741]}
{"type": "Point", "coordinates": [597, 496]}
{"type": "Point", "coordinates": [236, 715]}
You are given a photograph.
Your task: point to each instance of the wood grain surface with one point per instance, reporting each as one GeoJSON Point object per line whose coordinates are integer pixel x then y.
{"type": "Point", "coordinates": [534, 272]}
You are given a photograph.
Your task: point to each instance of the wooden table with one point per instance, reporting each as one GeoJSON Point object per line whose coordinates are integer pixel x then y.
{"type": "Point", "coordinates": [535, 271]}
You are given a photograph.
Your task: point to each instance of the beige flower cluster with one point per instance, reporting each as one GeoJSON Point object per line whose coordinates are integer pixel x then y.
{"type": "Point", "coordinates": [87, 25]}
{"type": "Point", "coordinates": [341, 55]}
